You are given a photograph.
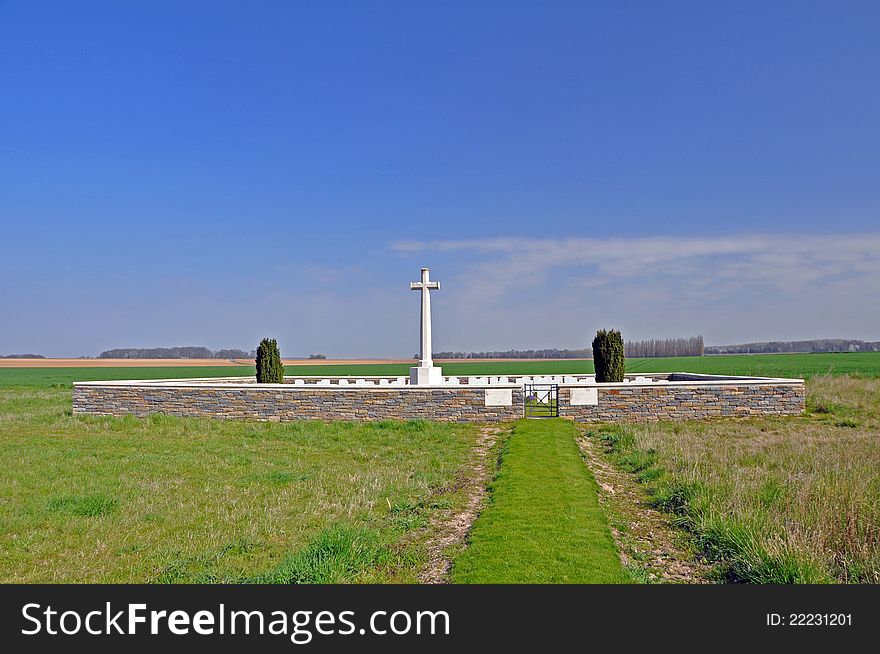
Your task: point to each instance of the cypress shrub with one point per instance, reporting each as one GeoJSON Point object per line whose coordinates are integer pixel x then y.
{"type": "Point", "coordinates": [608, 357]}
{"type": "Point", "coordinates": [269, 367]}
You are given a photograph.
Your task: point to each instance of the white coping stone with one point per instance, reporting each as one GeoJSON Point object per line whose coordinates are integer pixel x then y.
{"type": "Point", "coordinates": [299, 382]}
{"type": "Point", "coordinates": [582, 380]}
{"type": "Point", "coordinates": [584, 397]}
{"type": "Point", "coordinates": [499, 397]}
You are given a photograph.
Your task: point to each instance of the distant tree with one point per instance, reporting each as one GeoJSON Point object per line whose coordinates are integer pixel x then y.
{"type": "Point", "coordinates": [666, 347]}
{"type": "Point", "coordinates": [546, 353]}
{"type": "Point", "coordinates": [608, 358]}
{"type": "Point", "coordinates": [184, 352]}
{"type": "Point", "coordinates": [317, 356]}
{"type": "Point", "coordinates": [231, 353]}
{"type": "Point", "coordinates": [269, 367]}
{"type": "Point", "coordinates": [816, 345]}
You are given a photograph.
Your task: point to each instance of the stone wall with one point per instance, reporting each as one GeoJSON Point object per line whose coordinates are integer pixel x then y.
{"type": "Point", "coordinates": [291, 403]}
{"type": "Point", "coordinates": [632, 402]}
{"type": "Point", "coordinates": [686, 402]}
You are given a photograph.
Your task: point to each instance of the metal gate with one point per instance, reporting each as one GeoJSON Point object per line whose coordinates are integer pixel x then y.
{"type": "Point", "coordinates": [541, 400]}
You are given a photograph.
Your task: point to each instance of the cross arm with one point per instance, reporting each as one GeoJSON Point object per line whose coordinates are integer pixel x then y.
{"type": "Point", "coordinates": [418, 286]}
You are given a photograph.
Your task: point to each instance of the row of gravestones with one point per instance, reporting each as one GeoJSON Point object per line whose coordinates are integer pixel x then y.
{"type": "Point", "coordinates": [470, 381]}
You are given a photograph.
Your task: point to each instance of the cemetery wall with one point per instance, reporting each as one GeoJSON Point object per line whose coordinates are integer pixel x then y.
{"type": "Point", "coordinates": [684, 402]}
{"type": "Point", "coordinates": [631, 402]}
{"type": "Point", "coordinates": [285, 402]}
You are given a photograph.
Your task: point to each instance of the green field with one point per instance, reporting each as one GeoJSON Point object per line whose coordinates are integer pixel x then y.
{"type": "Point", "coordinates": [865, 364]}
{"type": "Point", "coordinates": [543, 523]}
{"type": "Point", "coordinates": [48, 377]}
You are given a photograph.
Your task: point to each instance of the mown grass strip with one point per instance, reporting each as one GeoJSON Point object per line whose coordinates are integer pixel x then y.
{"type": "Point", "coordinates": [543, 523]}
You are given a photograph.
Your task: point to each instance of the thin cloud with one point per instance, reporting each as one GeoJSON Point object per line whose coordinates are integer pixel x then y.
{"type": "Point", "coordinates": [783, 260]}
{"type": "Point", "coordinates": [506, 291]}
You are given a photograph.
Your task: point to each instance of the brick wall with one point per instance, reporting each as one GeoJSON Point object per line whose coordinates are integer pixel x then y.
{"type": "Point", "coordinates": [643, 403]}
{"type": "Point", "coordinates": [286, 403]}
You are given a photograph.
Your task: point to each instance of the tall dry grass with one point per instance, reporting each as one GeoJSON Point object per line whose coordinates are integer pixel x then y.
{"type": "Point", "coordinates": [792, 500]}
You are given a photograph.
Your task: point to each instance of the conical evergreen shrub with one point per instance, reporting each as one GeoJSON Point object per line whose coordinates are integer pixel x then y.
{"type": "Point", "coordinates": [608, 359]}
{"type": "Point", "coordinates": [269, 367]}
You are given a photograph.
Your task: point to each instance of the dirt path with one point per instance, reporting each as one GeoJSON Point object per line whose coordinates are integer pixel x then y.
{"type": "Point", "coordinates": [644, 535]}
{"type": "Point", "coordinates": [450, 528]}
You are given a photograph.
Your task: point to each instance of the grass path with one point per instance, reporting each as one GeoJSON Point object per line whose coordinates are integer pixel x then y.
{"type": "Point", "coordinates": [543, 523]}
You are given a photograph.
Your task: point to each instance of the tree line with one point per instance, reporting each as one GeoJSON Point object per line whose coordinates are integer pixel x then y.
{"type": "Point", "coordinates": [185, 352]}
{"type": "Point", "coordinates": [691, 346]}
{"type": "Point", "coordinates": [654, 347]}
{"type": "Point", "coordinates": [668, 347]}
{"type": "Point", "coordinates": [548, 353]}
{"type": "Point", "coordinates": [811, 346]}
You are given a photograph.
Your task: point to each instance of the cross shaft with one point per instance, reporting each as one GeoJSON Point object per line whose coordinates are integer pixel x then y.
{"type": "Point", "coordinates": [425, 285]}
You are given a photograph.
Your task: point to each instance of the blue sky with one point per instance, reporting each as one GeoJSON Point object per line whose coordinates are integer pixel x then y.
{"type": "Point", "coordinates": [210, 173]}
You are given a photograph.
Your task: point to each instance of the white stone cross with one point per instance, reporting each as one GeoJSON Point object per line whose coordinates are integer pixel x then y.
{"type": "Point", "coordinates": [425, 286]}
{"type": "Point", "coordinates": [425, 373]}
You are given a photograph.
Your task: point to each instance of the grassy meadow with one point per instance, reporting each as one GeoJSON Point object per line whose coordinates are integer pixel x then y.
{"type": "Point", "coordinates": [775, 500]}
{"type": "Point", "coordinates": [162, 499]}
